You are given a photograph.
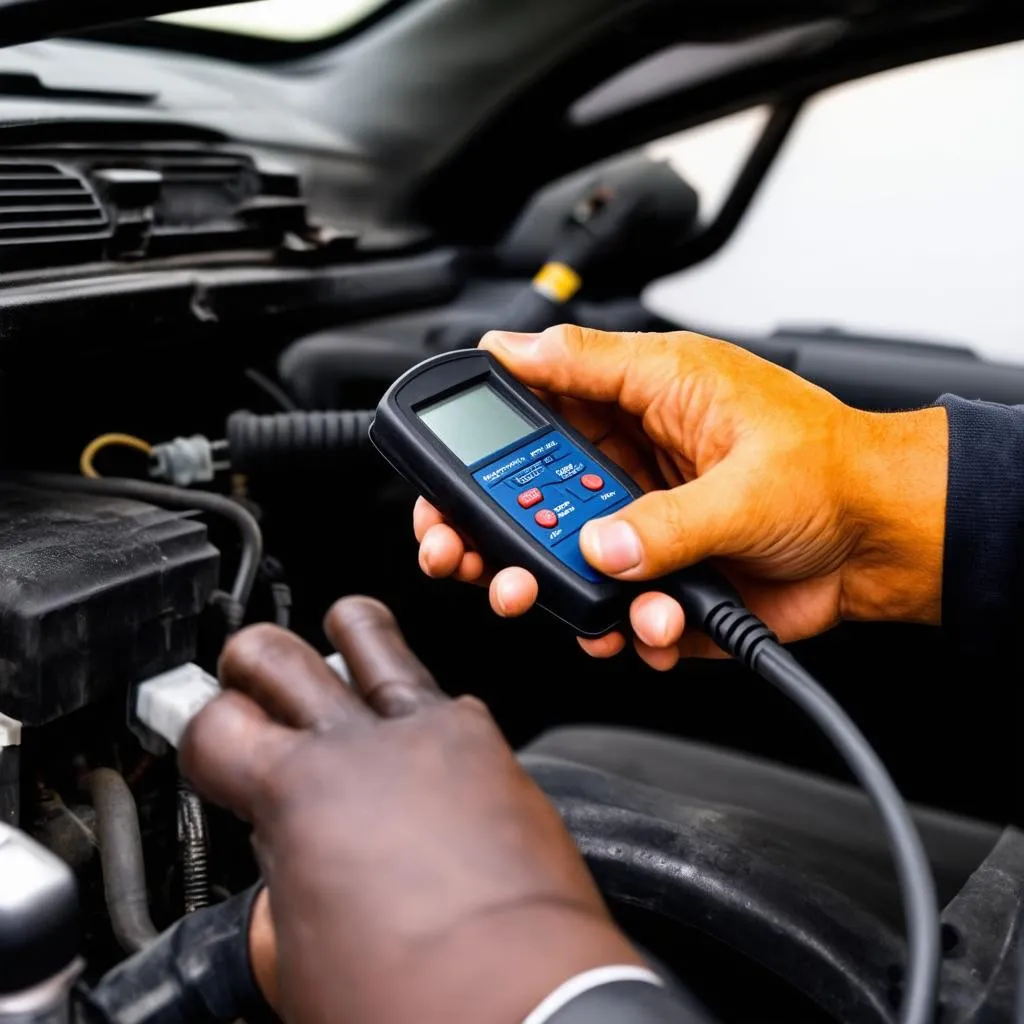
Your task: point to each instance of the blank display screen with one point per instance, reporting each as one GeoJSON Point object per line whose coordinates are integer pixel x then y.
{"type": "Point", "coordinates": [475, 423]}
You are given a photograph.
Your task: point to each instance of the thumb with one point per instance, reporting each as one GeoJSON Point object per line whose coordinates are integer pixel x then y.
{"type": "Point", "coordinates": [668, 530]}
{"type": "Point", "coordinates": [598, 366]}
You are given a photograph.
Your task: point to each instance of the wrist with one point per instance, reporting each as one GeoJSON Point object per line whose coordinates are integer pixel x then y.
{"type": "Point", "coordinates": [897, 505]}
{"type": "Point", "coordinates": [506, 962]}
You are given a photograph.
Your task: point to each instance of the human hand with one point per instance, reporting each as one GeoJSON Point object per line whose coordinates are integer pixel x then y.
{"type": "Point", "coordinates": [413, 869]}
{"type": "Point", "coordinates": [816, 511]}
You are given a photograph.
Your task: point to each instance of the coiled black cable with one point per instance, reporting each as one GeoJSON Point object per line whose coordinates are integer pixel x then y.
{"type": "Point", "coordinates": [298, 439]}
{"type": "Point", "coordinates": [710, 601]}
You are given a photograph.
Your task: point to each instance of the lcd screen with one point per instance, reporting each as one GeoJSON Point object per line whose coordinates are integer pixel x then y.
{"type": "Point", "coordinates": [475, 422]}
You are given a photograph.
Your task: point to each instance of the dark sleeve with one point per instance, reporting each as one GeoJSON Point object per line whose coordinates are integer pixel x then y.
{"type": "Point", "coordinates": [196, 972]}
{"type": "Point", "coordinates": [630, 1002]}
{"type": "Point", "coordinates": [983, 567]}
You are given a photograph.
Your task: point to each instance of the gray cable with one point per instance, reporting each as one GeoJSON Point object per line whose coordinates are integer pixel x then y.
{"type": "Point", "coordinates": [711, 601]}
{"type": "Point", "coordinates": [775, 664]}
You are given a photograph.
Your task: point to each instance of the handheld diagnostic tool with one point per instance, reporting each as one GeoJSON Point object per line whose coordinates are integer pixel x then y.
{"type": "Point", "coordinates": [496, 460]}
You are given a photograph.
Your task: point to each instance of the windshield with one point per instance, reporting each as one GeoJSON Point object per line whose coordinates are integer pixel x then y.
{"type": "Point", "coordinates": [284, 20]}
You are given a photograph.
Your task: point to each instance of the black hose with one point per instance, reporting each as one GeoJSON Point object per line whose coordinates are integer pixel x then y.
{"type": "Point", "coordinates": [291, 440]}
{"type": "Point", "coordinates": [124, 871]}
{"type": "Point", "coordinates": [178, 497]}
{"type": "Point", "coordinates": [195, 854]}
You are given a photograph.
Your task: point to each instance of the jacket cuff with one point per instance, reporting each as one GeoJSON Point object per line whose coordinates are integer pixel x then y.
{"type": "Point", "coordinates": [610, 995]}
{"type": "Point", "coordinates": [983, 560]}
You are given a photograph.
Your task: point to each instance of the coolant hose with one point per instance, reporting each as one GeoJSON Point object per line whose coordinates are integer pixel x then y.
{"type": "Point", "coordinates": [124, 871]}
{"type": "Point", "coordinates": [295, 440]}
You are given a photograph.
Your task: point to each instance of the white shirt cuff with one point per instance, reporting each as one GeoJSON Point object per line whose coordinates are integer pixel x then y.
{"type": "Point", "coordinates": [575, 987]}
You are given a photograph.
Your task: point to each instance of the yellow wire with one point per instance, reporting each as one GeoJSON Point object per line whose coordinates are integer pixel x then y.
{"type": "Point", "coordinates": [107, 441]}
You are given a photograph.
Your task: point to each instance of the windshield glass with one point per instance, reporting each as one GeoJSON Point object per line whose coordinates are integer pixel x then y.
{"type": "Point", "coordinates": [284, 20]}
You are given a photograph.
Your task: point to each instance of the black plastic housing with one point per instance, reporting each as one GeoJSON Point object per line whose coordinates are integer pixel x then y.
{"type": "Point", "coordinates": [94, 591]}
{"type": "Point", "coordinates": [592, 609]}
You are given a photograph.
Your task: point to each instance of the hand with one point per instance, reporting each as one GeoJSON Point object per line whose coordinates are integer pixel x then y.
{"type": "Point", "coordinates": [414, 870]}
{"type": "Point", "coordinates": [816, 511]}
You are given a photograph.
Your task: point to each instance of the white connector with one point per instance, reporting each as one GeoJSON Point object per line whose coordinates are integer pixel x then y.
{"type": "Point", "coordinates": [336, 663]}
{"type": "Point", "coordinates": [188, 460]}
{"type": "Point", "coordinates": [162, 707]}
{"type": "Point", "coordinates": [10, 732]}
{"type": "Point", "coordinates": [166, 703]}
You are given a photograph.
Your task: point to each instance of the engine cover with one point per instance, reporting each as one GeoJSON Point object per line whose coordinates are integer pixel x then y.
{"type": "Point", "coordinates": [95, 592]}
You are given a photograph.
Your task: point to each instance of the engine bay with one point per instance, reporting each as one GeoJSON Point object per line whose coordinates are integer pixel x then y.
{"type": "Point", "coordinates": [206, 288]}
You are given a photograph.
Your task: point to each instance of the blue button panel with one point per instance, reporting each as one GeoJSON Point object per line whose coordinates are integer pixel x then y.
{"type": "Point", "coordinates": [558, 469]}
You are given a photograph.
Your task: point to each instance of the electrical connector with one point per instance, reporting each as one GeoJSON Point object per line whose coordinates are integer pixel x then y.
{"type": "Point", "coordinates": [164, 705]}
{"type": "Point", "coordinates": [188, 460]}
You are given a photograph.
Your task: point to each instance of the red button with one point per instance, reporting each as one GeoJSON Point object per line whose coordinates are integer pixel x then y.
{"type": "Point", "coordinates": [530, 498]}
{"type": "Point", "coordinates": [591, 481]}
{"type": "Point", "coordinates": [546, 518]}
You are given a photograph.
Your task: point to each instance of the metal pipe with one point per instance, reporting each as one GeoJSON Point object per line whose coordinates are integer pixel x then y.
{"type": "Point", "coordinates": [124, 870]}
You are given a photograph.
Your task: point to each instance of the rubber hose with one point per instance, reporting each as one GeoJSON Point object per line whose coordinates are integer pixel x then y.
{"type": "Point", "coordinates": [124, 870]}
{"type": "Point", "coordinates": [291, 440]}
{"type": "Point", "coordinates": [192, 834]}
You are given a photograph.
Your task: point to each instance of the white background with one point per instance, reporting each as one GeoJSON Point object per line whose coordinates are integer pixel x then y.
{"type": "Point", "coordinates": [896, 207]}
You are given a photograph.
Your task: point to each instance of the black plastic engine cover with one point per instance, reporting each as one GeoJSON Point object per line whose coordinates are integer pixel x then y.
{"type": "Point", "coordinates": [95, 592]}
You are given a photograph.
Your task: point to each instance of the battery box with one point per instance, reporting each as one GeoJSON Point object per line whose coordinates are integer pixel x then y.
{"type": "Point", "coordinates": [95, 592]}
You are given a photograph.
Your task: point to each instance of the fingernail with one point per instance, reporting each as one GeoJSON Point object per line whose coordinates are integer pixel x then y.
{"type": "Point", "coordinates": [660, 623]}
{"type": "Point", "coordinates": [615, 545]}
{"type": "Point", "coordinates": [502, 595]}
{"type": "Point", "coordinates": [512, 340]}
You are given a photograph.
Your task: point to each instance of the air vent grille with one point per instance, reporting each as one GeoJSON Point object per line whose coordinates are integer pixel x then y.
{"type": "Point", "coordinates": [45, 200]}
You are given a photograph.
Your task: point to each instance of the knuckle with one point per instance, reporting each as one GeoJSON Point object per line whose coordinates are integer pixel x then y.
{"type": "Point", "coordinates": [249, 647]}
{"type": "Point", "coordinates": [357, 611]}
{"type": "Point", "coordinates": [472, 710]}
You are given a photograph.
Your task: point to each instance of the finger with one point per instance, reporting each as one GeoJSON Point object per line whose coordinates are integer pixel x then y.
{"type": "Point", "coordinates": [390, 678]}
{"type": "Point", "coordinates": [441, 551]}
{"type": "Point", "coordinates": [699, 645]}
{"type": "Point", "coordinates": [661, 659]}
{"type": "Point", "coordinates": [287, 678]}
{"type": "Point", "coordinates": [657, 619]}
{"type": "Point", "coordinates": [630, 369]}
{"type": "Point", "coordinates": [471, 569]}
{"type": "Point", "coordinates": [606, 646]}
{"type": "Point", "coordinates": [513, 592]}
{"type": "Point", "coordinates": [227, 748]}
{"type": "Point", "coordinates": [424, 516]}
{"type": "Point", "coordinates": [667, 530]}
{"type": "Point", "coordinates": [608, 428]}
